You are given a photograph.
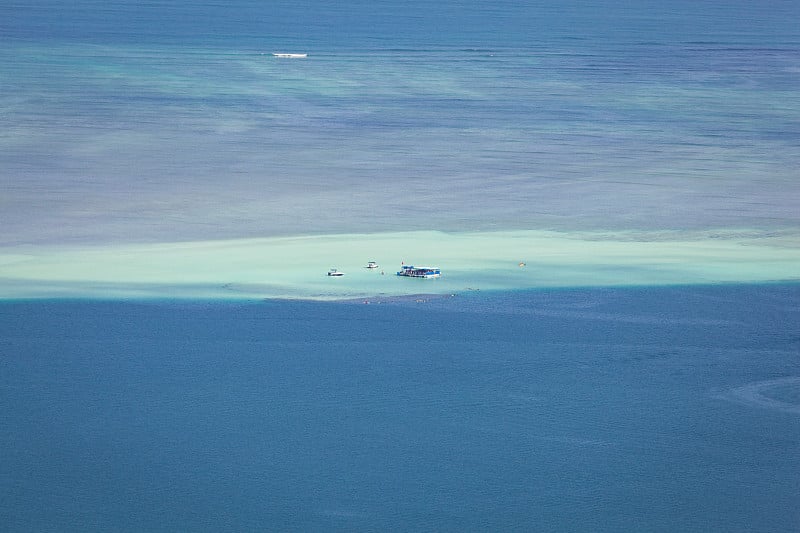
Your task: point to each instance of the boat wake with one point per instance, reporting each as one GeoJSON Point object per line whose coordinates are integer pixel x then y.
{"type": "Point", "coordinates": [781, 394]}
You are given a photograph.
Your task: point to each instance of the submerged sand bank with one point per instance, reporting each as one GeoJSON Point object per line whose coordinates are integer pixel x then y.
{"type": "Point", "coordinates": [296, 267]}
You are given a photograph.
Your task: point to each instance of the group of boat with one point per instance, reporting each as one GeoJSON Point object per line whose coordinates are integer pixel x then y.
{"type": "Point", "coordinates": [407, 271]}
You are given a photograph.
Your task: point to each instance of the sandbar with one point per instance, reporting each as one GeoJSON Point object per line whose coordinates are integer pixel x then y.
{"type": "Point", "coordinates": [296, 267]}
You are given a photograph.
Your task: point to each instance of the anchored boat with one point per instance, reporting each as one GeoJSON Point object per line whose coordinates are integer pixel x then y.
{"type": "Point", "coordinates": [410, 271]}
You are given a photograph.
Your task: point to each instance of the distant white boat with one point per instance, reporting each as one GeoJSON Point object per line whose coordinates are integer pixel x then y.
{"type": "Point", "coordinates": [335, 273]}
{"type": "Point", "coordinates": [293, 56]}
{"type": "Point", "coordinates": [372, 264]}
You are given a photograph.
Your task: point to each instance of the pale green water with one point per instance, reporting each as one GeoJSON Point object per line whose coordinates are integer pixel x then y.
{"type": "Point", "coordinates": [296, 267]}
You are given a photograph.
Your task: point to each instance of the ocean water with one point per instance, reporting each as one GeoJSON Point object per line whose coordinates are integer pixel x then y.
{"type": "Point", "coordinates": [153, 122]}
{"type": "Point", "coordinates": [128, 127]}
{"type": "Point", "coordinates": [650, 409]}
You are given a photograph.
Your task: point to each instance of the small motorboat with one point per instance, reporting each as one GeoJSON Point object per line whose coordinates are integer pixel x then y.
{"type": "Point", "coordinates": [335, 273]}
{"type": "Point", "coordinates": [371, 265]}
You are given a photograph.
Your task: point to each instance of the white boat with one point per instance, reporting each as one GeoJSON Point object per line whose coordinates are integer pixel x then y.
{"type": "Point", "coordinates": [335, 273]}
{"type": "Point", "coordinates": [286, 55]}
{"type": "Point", "coordinates": [372, 264]}
{"type": "Point", "coordinates": [419, 272]}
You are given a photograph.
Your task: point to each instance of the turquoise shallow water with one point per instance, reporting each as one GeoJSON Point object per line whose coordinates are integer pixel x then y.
{"type": "Point", "coordinates": [297, 267]}
{"type": "Point", "coordinates": [656, 409]}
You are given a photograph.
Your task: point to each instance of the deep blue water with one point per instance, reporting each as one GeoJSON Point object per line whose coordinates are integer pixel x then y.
{"type": "Point", "coordinates": [652, 409]}
{"type": "Point", "coordinates": [412, 23]}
